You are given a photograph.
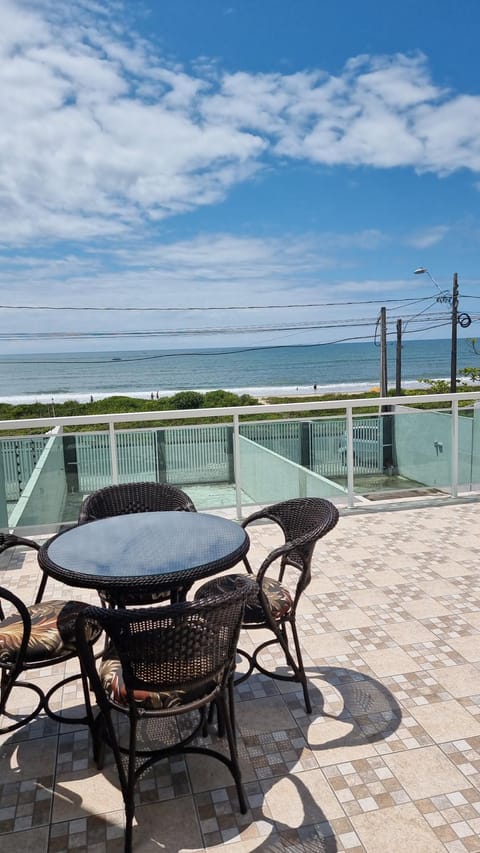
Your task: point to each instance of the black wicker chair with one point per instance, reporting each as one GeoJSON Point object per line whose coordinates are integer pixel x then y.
{"type": "Point", "coordinates": [32, 638]}
{"type": "Point", "coordinates": [127, 498]}
{"type": "Point", "coordinates": [272, 601]}
{"type": "Point", "coordinates": [160, 664]}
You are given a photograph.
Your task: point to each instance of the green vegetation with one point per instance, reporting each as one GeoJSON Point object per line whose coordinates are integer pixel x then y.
{"type": "Point", "coordinates": [195, 401]}
{"type": "Point", "coordinates": [118, 404]}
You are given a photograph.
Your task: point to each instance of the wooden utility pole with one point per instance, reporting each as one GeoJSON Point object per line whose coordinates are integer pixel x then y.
{"type": "Point", "coordinates": [453, 362]}
{"type": "Point", "coordinates": [383, 353]}
{"type": "Point", "coordinates": [398, 372]}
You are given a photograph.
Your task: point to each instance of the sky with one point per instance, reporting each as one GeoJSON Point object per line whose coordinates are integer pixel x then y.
{"type": "Point", "coordinates": [220, 160]}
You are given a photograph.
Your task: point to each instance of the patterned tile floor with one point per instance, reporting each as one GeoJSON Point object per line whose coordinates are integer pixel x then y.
{"type": "Point", "coordinates": [388, 762]}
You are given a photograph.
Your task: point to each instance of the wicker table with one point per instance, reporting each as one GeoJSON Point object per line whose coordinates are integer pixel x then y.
{"type": "Point", "coordinates": [148, 551]}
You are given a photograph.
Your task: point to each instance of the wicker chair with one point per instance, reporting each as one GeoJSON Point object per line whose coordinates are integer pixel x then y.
{"type": "Point", "coordinates": [160, 664]}
{"type": "Point", "coordinates": [272, 601]}
{"type": "Point", "coordinates": [32, 638]}
{"type": "Point", "coordinates": [127, 498]}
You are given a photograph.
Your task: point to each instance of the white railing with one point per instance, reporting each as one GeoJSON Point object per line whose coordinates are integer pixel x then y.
{"type": "Point", "coordinates": [380, 405]}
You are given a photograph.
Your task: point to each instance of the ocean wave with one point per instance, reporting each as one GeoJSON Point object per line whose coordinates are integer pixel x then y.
{"type": "Point", "coordinates": [258, 392]}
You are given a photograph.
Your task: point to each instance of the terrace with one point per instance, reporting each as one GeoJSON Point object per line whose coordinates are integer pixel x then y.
{"type": "Point", "coordinates": [387, 761]}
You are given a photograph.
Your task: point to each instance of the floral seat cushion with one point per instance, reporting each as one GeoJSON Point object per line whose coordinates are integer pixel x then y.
{"type": "Point", "coordinates": [111, 676]}
{"type": "Point", "coordinates": [52, 634]}
{"type": "Point", "coordinates": [278, 597]}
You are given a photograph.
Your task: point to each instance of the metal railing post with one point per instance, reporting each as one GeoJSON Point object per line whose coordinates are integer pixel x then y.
{"type": "Point", "coordinates": [454, 448]}
{"type": "Point", "coordinates": [113, 453]}
{"type": "Point", "coordinates": [236, 466]}
{"type": "Point", "coordinates": [350, 493]}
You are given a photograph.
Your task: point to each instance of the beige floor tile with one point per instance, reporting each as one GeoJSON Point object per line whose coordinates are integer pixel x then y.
{"type": "Point", "coordinates": [425, 772]}
{"type": "Point", "coordinates": [389, 661]}
{"type": "Point", "coordinates": [474, 618]}
{"type": "Point", "coordinates": [168, 827]}
{"type": "Point", "coordinates": [300, 799]}
{"type": "Point", "coordinates": [207, 773]}
{"type": "Point", "coordinates": [400, 829]}
{"type": "Point", "coordinates": [385, 578]}
{"type": "Point", "coordinates": [352, 617]}
{"type": "Point", "coordinates": [445, 721]}
{"type": "Point", "coordinates": [460, 680]}
{"type": "Point", "coordinates": [330, 645]}
{"type": "Point", "coordinates": [86, 792]}
{"type": "Point", "coordinates": [438, 587]}
{"type": "Point", "coordinates": [336, 741]}
{"type": "Point", "coordinates": [321, 585]}
{"type": "Point", "coordinates": [411, 631]}
{"type": "Point", "coordinates": [369, 597]}
{"type": "Point", "coordinates": [396, 561]}
{"type": "Point", "coordinates": [263, 715]}
{"type": "Point", "coordinates": [339, 566]}
{"type": "Point", "coordinates": [450, 569]}
{"type": "Point", "coordinates": [468, 647]}
{"type": "Point", "coordinates": [424, 608]}
{"type": "Point", "coordinates": [306, 605]}
{"type": "Point", "coordinates": [27, 759]}
{"type": "Point", "coordinates": [28, 841]}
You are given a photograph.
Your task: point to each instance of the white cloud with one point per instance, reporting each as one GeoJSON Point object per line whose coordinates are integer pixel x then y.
{"type": "Point", "coordinates": [428, 237]}
{"type": "Point", "coordinates": [99, 132]}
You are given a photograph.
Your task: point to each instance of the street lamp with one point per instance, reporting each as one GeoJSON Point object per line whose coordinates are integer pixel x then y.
{"type": "Point", "coordinates": [464, 320]}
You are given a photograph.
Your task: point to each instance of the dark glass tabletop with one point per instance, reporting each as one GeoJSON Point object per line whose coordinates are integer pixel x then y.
{"type": "Point", "coordinates": [147, 550]}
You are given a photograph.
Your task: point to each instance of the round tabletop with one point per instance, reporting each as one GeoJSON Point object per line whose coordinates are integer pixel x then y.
{"type": "Point", "coordinates": [144, 551]}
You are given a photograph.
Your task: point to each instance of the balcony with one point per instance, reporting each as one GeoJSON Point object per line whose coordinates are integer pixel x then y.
{"type": "Point", "coordinates": [387, 761]}
{"type": "Point", "coordinates": [241, 459]}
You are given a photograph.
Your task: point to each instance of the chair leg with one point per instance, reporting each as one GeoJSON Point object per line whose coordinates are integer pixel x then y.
{"type": "Point", "coordinates": [301, 669]}
{"type": "Point", "coordinates": [225, 706]}
{"type": "Point", "coordinates": [129, 791]}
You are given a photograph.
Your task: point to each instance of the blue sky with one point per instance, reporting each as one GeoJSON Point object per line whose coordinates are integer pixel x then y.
{"type": "Point", "coordinates": [197, 154]}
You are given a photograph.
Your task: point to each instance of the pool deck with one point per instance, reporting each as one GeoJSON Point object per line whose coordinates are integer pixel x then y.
{"type": "Point", "coordinates": [389, 760]}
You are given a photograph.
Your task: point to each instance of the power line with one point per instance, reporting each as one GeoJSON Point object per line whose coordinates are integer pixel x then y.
{"type": "Point", "coordinates": [210, 307]}
{"type": "Point", "coordinates": [215, 330]}
{"type": "Point", "coordinates": [207, 353]}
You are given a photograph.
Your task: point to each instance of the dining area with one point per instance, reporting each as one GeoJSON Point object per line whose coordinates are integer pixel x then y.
{"type": "Point", "coordinates": [387, 759]}
{"type": "Point", "coordinates": [142, 667]}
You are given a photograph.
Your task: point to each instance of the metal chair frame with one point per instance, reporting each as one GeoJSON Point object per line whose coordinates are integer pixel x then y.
{"type": "Point", "coordinates": [10, 672]}
{"type": "Point", "coordinates": [187, 646]}
{"type": "Point", "coordinates": [303, 522]}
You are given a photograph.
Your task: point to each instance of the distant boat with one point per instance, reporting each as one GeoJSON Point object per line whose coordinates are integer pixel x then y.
{"type": "Point", "coordinates": [116, 359]}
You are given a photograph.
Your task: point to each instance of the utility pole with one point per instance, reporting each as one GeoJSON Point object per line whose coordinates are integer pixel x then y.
{"type": "Point", "coordinates": [453, 363]}
{"type": "Point", "coordinates": [398, 372]}
{"type": "Point", "coordinates": [383, 353]}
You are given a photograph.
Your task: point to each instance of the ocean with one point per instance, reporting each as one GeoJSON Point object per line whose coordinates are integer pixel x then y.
{"type": "Point", "coordinates": [261, 372]}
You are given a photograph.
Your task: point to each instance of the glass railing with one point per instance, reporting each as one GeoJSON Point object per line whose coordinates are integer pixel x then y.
{"type": "Point", "coordinates": [355, 459]}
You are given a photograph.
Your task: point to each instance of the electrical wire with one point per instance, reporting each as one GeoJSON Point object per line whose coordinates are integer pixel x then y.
{"type": "Point", "coordinates": [405, 301]}
{"type": "Point", "coordinates": [206, 353]}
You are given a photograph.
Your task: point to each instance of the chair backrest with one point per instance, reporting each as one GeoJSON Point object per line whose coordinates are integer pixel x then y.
{"type": "Point", "coordinates": [188, 644]}
{"type": "Point", "coordinates": [127, 498]}
{"type": "Point", "coordinates": [303, 521]}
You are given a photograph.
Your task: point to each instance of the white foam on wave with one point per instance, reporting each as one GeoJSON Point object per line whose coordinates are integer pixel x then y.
{"type": "Point", "coordinates": [259, 392]}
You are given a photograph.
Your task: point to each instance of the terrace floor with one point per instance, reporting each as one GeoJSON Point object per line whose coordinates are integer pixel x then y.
{"type": "Point", "coordinates": [389, 760]}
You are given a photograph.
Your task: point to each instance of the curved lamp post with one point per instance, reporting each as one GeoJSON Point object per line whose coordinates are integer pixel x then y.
{"type": "Point", "coordinates": [457, 318]}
